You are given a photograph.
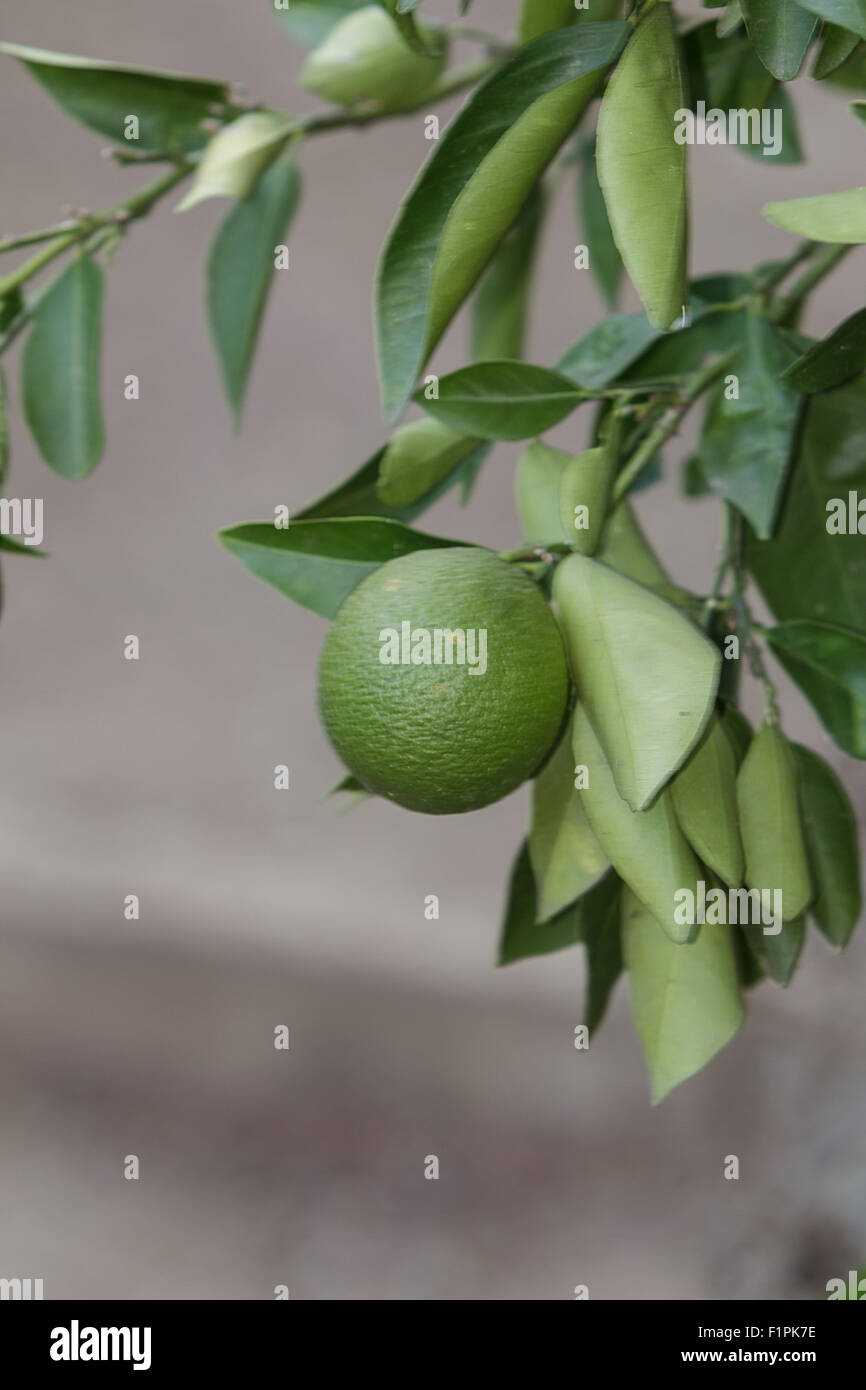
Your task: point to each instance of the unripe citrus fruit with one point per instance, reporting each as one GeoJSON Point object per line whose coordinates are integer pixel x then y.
{"type": "Point", "coordinates": [365, 59]}
{"type": "Point", "coordinates": [443, 681]}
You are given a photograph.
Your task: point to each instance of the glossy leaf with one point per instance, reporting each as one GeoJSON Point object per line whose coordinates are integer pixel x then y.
{"type": "Point", "coordinates": [318, 563]}
{"type": "Point", "coordinates": [685, 998]}
{"type": "Point", "coordinates": [642, 169]}
{"type": "Point", "coordinates": [566, 857]}
{"type": "Point", "coordinates": [833, 361]}
{"type": "Point", "coordinates": [808, 571]}
{"type": "Point", "coordinates": [838, 44]}
{"type": "Point", "coordinates": [237, 156]}
{"type": "Point", "coordinates": [600, 916]}
{"type": "Point", "coordinates": [499, 310]}
{"type": "Point", "coordinates": [829, 665]}
{"type": "Point", "coordinates": [417, 457]}
{"type": "Point", "coordinates": [310, 21]}
{"type": "Point", "coordinates": [747, 443]}
{"type": "Point", "coordinates": [850, 14]}
{"type": "Point", "coordinates": [472, 188]}
{"type": "Point", "coordinates": [540, 16]}
{"type": "Point", "coordinates": [522, 935]}
{"type": "Point", "coordinates": [770, 823]}
{"type": "Point", "coordinates": [502, 400]}
{"type": "Point", "coordinates": [647, 848]}
{"type": "Point", "coordinates": [605, 353]}
{"type": "Point", "coordinates": [60, 370]}
{"type": "Point", "coordinates": [240, 272]}
{"type": "Point", "coordinates": [778, 953]}
{"type": "Point", "coordinates": [646, 675]}
{"type": "Point", "coordinates": [781, 31]}
{"type": "Point", "coordinates": [830, 829]}
{"type": "Point", "coordinates": [537, 485]}
{"type": "Point", "coordinates": [170, 107]}
{"type": "Point", "coordinates": [704, 794]}
{"type": "Point", "coordinates": [833, 217]}
{"type": "Point", "coordinates": [605, 261]}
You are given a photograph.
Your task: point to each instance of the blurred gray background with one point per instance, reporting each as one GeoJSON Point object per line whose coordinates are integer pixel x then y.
{"type": "Point", "coordinates": [258, 908]}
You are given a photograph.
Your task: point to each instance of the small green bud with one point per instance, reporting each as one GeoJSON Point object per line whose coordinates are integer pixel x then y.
{"type": "Point", "coordinates": [365, 59]}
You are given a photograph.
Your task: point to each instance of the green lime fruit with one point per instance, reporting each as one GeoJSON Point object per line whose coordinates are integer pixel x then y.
{"type": "Point", "coordinates": [443, 682]}
{"type": "Point", "coordinates": [364, 58]}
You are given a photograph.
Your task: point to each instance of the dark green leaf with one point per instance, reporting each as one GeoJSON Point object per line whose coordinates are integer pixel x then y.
{"type": "Point", "coordinates": [10, 307]}
{"type": "Point", "coordinates": [319, 563]}
{"type": "Point", "coordinates": [566, 858]}
{"type": "Point", "coordinates": [747, 443]}
{"type": "Point", "coordinates": [838, 45]}
{"type": "Point", "coordinates": [240, 270]}
{"type": "Point", "coordinates": [499, 312]}
{"type": "Point", "coordinates": [605, 261]}
{"type": "Point", "coordinates": [60, 371]}
{"type": "Point", "coordinates": [600, 914]}
{"type": "Point", "coordinates": [830, 829]}
{"type": "Point", "coordinates": [472, 188]}
{"type": "Point", "coordinates": [777, 954]}
{"type": "Point", "coordinates": [829, 665]}
{"type": "Point", "coordinates": [604, 353]}
{"type": "Point", "coordinates": [805, 571]}
{"type": "Point", "coordinates": [835, 360]}
{"type": "Point", "coordinates": [781, 32]}
{"type": "Point", "coordinates": [170, 107]}
{"type": "Point", "coordinates": [19, 548]}
{"type": "Point", "coordinates": [310, 21]}
{"type": "Point", "coordinates": [738, 729]}
{"type": "Point", "coordinates": [502, 400]}
{"type": "Point", "coordinates": [850, 14]}
{"type": "Point", "coordinates": [521, 935]}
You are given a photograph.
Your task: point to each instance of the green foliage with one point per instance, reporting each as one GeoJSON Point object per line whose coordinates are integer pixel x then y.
{"type": "Point", "coordinates": [656, 785]}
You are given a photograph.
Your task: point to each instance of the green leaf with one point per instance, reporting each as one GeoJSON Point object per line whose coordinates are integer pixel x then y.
{"type": "Point", "coordinates": [540, 16]}
{"type": "Point", "coordinates": [605, 261]}
{"type": "Point", "coordinates": [685, 998]}
{"type": "Point", "coordinates": [781, 32]}
{"type": "Point", "coordinates": [240, 271]}
{"type": "Point", "coordinates": [237, 156]}
{"type": "Point", "coordinates": [770, 823]}
{"type": "Point", "coordinates": [828, 663]}
{"type": "Point", "coordinates": [60, 371]}
{"type": "Point", "coordinates": [647, 848]}
{"type": "Point", "coordinates": [739, 731]}
{"type": "Point", "coordinates": [358, 495]}
{"type": "Point", "coordinates": [777, 953]}
{"type": "Point", "coordinates": [318, 563]}
{"type": "Point", "coordinates": [499, 311]}
{"type": "Point", "coordinates": [838, 45]}
{"type": "Point", "coordinates": [704, 794]}
{"type": "Point", "coordinates": [310, 21]}
{"type": "Point", "coordinates": [170, 107]}
{"type": "Point", "coordinates": [417, 457]}
{"type": "Point", "coordinates": [537, 484]}
{"type": "Point", "coordinates": [835, 360]}
{"type": "Point", "coordinates": [521, 935]}
{"type": "Point", "coordinates": [833, 217]}
{"type": "Point", "coordinates": [747, 443]}
{"type": "Point", "coordinates": [472, 188]}
{"type": "Point", "coordinates": [642, 168]}
{"type": "Point", "coordinates": [830, 828]}
{"type": "Point", "coordinates": [807, 571]}
{"type": "Point", "coordinates": [646, 674]}
{"type": "Point", "coordinates": [566, 857]}
{"type": "Point", "coordinates": [726, 74]}
{"type": "Point", "coordinates": [850, 14]}
{"type": "Point", "coordinates": [585, 494]}
{"type": "Point", "coordinates": [607, 350]}
{"type": "Point", "coordinates": [625, 548]}
{"type": "Point", "coordinates": [417, 39]}
{"type": "Point", "coordinates": [502, 400]}
{"type": "Point", "coordinates": [600, 916]}
{"type": "Point", "coordinates": [19, 548]}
